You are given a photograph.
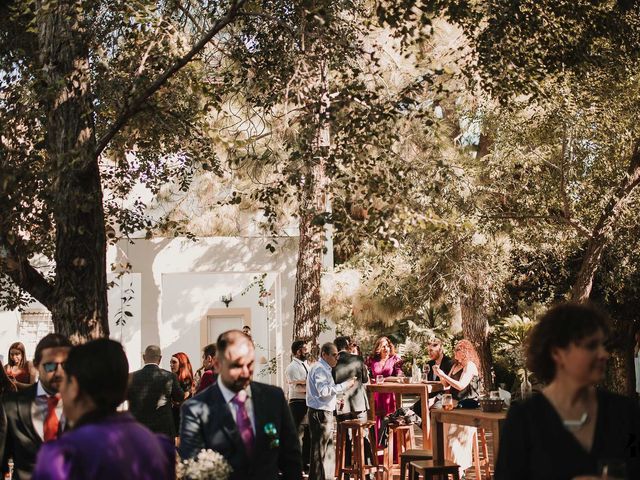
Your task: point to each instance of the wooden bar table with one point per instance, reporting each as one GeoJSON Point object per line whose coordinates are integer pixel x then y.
{"type": "Point", "coordinates": [399, 389]}
{"type": "Point", "coordinates": [469, 417]}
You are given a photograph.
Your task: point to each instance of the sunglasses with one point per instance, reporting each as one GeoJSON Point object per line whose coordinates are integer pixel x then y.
{"type": "Point", "coordinates": [52, 366]}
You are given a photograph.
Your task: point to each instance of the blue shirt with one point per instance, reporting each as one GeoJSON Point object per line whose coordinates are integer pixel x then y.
{"type": "Point", "coordinates": [321, 389]}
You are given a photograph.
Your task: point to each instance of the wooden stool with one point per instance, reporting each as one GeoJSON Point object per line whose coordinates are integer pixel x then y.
{"type": "Point", "coordinates": [411, 455]}
{"type": "Point", "coordinates": [428, 470]}
{"type": "Point", "coordinates": [480, 436]}
{"type": "Point", "coordinates": [403, 436]}
{"type": "Point", "coordinates": [358, 468]}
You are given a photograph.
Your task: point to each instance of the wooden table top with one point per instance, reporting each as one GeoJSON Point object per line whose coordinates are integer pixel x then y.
{"type": "Point", "coordinates": [466, 413]}
{"type": "Point", "coordinates": [408, 388]}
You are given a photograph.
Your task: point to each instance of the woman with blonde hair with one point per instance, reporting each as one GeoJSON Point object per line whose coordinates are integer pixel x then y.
{"type": "Point", "coordinates": [463, 383]}
{"type": "Point", "coordinates": [463, 380]}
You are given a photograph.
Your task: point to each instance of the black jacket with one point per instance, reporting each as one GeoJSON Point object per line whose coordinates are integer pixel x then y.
{"type": "Point", "coordinates": [207, 422]}
{"type": "Point", "coordinates": [349, 366]}
{"type": "Point", "coordinates": [445, 366]}
{"type": "Point", "coordinates": [151, 390]}
{"type": "Point", "coordinates": [22, 441]}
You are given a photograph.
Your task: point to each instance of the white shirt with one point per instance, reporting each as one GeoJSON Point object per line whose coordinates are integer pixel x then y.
{"type": "Point", "coordinates": [297, 371]}
{"type": "Point", "coordinates": [39, 409]}
{"type": "Point", "coordinates": [248, 404]}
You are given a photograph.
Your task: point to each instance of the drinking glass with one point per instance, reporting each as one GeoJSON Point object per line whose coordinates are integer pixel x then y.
{"type": "Point", "coordinates": [379, 379]}
{"type": "Point", "coordinates": [426, 369]}
{"type": "Point", "coordinates": [400, 376]}
{"type": "Point", "coordinates": [447, 401]}
{"type": "Point", "coordinates": [613, 469]}
{"type": "Point", "coordinates": [494, 395]}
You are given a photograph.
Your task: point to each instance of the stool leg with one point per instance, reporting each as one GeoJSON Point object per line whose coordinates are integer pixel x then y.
{"type": "Point", "coordinates": [476, 456]}
{"type": "Point", "coordinates": [338, 451]}
{"type": "Point", "coordinates": [357, 461]}
{"type": "Point", "coordinates": [485, 453]}
{"type": "Point", "coordinates": [389, 452]}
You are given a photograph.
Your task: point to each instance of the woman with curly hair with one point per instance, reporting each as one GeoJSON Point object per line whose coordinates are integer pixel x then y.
{"type": "Point", "coordinates": [181, 367]}
{"type": "Point", "coordinates": [573, 429]}
{"type": "Point", "coordinates": [463, 380]}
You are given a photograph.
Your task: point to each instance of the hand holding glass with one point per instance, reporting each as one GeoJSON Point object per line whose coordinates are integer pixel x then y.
{"type": "Point", "coordinates": [447, 401]}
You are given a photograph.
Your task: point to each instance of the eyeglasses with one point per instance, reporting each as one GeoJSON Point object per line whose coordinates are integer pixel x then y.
{"type": "Point", "coordinates": [52, 366]}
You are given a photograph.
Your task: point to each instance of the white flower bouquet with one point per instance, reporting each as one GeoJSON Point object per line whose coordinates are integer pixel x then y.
{"type": "Point", "coordinates": [207, 465]}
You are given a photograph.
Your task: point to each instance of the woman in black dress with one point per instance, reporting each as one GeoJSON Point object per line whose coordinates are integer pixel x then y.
{"type": "Point", "coordinates": [181, 367]}
{"type": "Point", "coordinates": [572, 429]}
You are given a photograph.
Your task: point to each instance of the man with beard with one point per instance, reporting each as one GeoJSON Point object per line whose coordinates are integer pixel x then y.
{"type": "Point", "coordinates": [296, 375]}
{"type": "Point", "coordinates": [437, 358]}
{"type": "Point", "coordinates": [34, 415]}
{"type": "Point", "coordinates": [247, 422]}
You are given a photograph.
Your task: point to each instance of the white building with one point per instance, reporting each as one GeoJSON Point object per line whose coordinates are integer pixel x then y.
{"type": "Point", "coordinates": [172, 296]}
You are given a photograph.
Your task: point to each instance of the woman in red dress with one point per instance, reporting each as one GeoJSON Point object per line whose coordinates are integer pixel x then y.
{"type": "Point", "coordinates": [19, 369]}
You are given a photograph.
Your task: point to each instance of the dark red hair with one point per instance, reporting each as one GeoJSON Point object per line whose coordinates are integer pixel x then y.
{"type": "Point", "coordinates": [185, 372]}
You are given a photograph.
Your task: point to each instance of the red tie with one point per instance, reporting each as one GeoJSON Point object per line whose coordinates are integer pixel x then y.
{"type": "Point", "coordinates": [51, 421]}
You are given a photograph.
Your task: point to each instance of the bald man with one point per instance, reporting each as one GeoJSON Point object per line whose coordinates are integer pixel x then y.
{"type": "Point", "coordinates": [151, 390]}
{"type": "Point", "coordinates": [248, 422]}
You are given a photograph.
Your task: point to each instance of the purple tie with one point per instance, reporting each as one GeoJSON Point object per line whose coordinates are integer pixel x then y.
{"type": "Point", "coordinates": [242, 419]}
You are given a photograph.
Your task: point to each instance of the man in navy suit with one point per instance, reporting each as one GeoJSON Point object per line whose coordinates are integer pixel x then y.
{"type": "Point", "coordinates": [248, 422]}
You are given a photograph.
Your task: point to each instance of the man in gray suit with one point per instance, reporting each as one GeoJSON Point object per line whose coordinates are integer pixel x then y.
{"type": "Point", "coordinates": [151, 390]}
{"type": "Point", "coordinates": [354, 403]}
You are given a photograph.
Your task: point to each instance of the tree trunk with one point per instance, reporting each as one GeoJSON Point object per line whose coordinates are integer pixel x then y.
{"type": "Point", "coordinates": [306, 323]}
{"type": "Point", "coordinates": [79, 306]}
{"type": "Point", "coordinates": [309, 268]}
{"type": "Point", "coordinates": [475, 328]}
{"type": "Point", "coordinates": [603, 231]}
{"type": "Point", "coordinates": [621, 368]}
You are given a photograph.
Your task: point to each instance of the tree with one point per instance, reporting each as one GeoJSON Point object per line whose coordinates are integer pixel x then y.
{"type": "Point", "coordinates": [538, 49]}
{"type": "Point", "coordinates": [309, 72]}
{"type": "Point", "coordinates": [90, 97]}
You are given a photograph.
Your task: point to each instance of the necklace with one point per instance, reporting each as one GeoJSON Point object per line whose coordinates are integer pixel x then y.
{"type": "Point", "coordinates": [576, 424]}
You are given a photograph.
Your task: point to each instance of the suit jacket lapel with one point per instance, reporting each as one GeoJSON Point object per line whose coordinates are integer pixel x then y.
{"type": "Point", "coordinates": [260, 418]}
{"type": "Point", "coordinates": [24, 412]}
{"type": "Point", "coordinates": [227, 423]}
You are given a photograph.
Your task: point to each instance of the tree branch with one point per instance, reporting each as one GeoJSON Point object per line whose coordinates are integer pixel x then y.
{"type": "Point", "coordinates": [271, 18]}
{"type": "Point", "coordinates": [605, 227]}
{"type": "Point", "coordinates": [136, 104]}
{"type": "Point", "coordinates": [17, 267]}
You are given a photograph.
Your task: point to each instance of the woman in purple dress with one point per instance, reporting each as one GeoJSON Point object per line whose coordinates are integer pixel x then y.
{"type": "Point", "coordinates": [387, 363]}
{"type": "Point", "coordinates": [102, 444]}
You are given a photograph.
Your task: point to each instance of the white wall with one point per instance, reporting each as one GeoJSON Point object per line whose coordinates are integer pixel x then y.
{"type": "Point", "coordinates": [125, 303]}
{"type": "Point", "coordinates": [177, 281]}
{"type": "Point", "coordinates": [9, 334]}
